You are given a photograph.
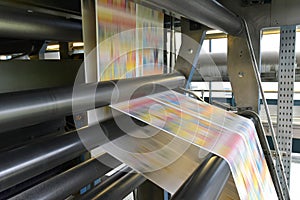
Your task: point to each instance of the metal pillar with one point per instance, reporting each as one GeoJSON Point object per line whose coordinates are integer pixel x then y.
{"type": "Point", "coordinates": [172, 45]}
{"type": "Point", "coordinates": [286, 78]}
{"type": "Point", "coordinates": [190, 48]}
{"type": "Point", "coordinates": [88, 10]}
{"type": "Point", "coordinates": [241, 74]}
{"type": "Point", "coordinates": [257, 76]}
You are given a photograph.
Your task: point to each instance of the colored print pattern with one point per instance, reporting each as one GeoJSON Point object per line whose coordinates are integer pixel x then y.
{"type": "Point", "coordinates": [223, 133]}
{"type": "Point", "coordinates": [130, 40]}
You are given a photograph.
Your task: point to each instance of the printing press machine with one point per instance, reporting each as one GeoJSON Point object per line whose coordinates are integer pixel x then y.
{"type": "Point", "coordinates": [43, 157]}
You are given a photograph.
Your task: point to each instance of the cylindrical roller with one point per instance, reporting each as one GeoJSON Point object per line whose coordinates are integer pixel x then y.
{"type": "Point", "coordinates": [122, 187]}
{"type": "Point", "coordinates": [31, 107]}
{"type": "Point", "coordinates": [26, 162]}
{"type": "Point", "coordinates": [71, 181]}
{"type": "Point", "coordinates": [208, 12]}
{"type": "Point", "coordinates": [23, 24]}
{"type": "Point", "coordinates": [105, 184]}
{"type": "Point", "coordinates": [6, 194]}
{"type": "Point", "coordinates": [207, 182]}
{"type": "Point", "coordinates": [23, 163]}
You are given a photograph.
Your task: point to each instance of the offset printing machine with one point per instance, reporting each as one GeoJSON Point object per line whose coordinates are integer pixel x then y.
{"type": "Point", "coordinates": [43, 157]}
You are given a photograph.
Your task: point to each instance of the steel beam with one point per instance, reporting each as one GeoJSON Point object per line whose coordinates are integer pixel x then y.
{"type": "Point", "coordinates": [241, 74]}
{"type": "Point", "coordinates": [286, 79]}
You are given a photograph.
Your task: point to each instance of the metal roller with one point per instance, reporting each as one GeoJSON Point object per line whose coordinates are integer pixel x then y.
{"type": "Point", "coordinates": [122, 187]}
{"type": "Point", "coordinates": [207, 182]}
{"type": "Point", "coordinates": [26, 24]}
{"type": "Point", "coordinates": [28, 161]}
{"type": "Point", "coordinates": [31, 160]}
{"type": "Point", "coordinates": [208, 12]}
{"type": "Point", "coordinates": [71, 181]}
{"type": "Point", "coordinates": [31, 107]}
{"type": "Point", "coordinates": [105, 184]}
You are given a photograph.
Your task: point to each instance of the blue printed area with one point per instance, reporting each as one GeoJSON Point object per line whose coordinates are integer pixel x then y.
{"type": "Point", "coordinates": [97, 181]}
{"type": "Point", "coordinates": [85, 189]}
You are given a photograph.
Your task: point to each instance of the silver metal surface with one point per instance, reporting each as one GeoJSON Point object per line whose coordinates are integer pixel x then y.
{"type": "Point", "coordinates": [16, 23]}
{"type": "Point", "coordinates": [284, 12]}
{"type": "Point", "coordinates": [23, 163]}
{"type": "Point", "coordinates": [31, 107]}
{"type": "Point", "coordinates": [122, 187]}
{"type": "Point", "coordinates": [89, 38]}
{"type": "Point", "coordinates": [70, 181]}
{"type": "Point", "coordinates": [195, 60]}
{"type": "Point", "coordinates": [274, 14]}
{"type": "Point", "coordinates": [172, 45]}
{"type": "Point", "coordinates": [286, 78]}
{"type": "Point", "coordinates": [89, 30]}
{"type": "Point", "coordinates": [189, 51]}
{"type": "Point", "coordinates": [258, 79]}
{"type": "Point", "coordinates": [66, 10]}
{"type": "Point", "coordinates": [241, 74]}
{"type": "Point", "coordinates": [208, 12]}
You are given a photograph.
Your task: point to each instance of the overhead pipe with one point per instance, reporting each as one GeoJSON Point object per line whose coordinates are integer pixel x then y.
{"type": "Point", "coordinates": [26, 24]}
{"type": "Point", "coordinates": [71, 181]}
{"type": "Point", "coordinates": [208, 12]}
{"type": "Point", "coordinates": [27, 108]}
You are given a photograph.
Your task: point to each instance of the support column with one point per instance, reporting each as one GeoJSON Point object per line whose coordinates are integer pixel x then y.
{"type": "Point", "coordinates": [241, 74]}
{"type": "Point", "coordinates": [192, 37]}
{"type": "Point", "coordinates": [286, 79]}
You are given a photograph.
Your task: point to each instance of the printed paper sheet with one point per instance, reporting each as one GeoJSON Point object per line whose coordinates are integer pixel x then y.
{"type": "Point", "coordinates": [223, 133]}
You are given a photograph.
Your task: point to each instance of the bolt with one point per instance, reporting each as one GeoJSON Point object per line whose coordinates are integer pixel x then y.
{"type": "Point", "coordinates": [241, 74]}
